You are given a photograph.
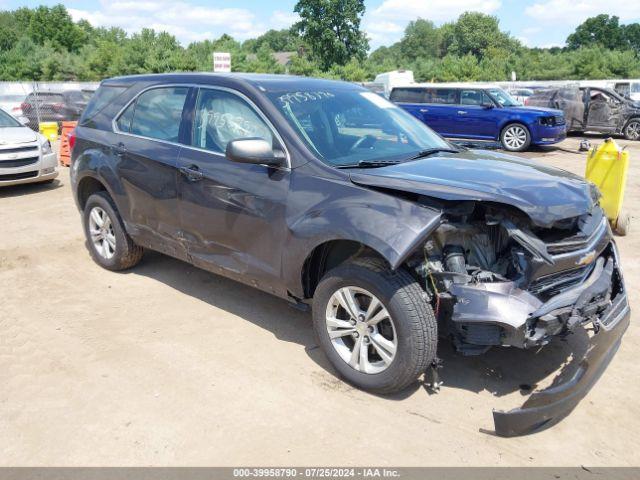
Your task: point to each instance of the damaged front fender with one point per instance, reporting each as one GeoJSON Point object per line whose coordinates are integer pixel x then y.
{"type": "Point", "coordinates": [322, 210]}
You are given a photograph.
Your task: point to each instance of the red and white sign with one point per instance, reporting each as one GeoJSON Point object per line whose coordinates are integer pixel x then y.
{"type": "Point", "coordinates": [221, 62]}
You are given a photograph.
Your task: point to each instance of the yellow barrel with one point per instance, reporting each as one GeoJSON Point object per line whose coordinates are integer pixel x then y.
{"type": "Point", "coordinates": [607, 167]}
{"type": "Point", "coordinates": [49, 130]}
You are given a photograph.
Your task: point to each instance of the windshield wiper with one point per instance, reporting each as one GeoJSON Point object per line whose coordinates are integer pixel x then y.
{"type": "Point", "coordinates": [431, 151]}
{"type": "Point", "coordinates": [370, 164]}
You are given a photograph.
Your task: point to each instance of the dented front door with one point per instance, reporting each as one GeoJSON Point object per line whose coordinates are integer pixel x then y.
{"type": "Point", "coordinates": [232, 214]}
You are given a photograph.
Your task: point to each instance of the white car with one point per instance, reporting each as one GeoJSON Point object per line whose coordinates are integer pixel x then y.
{"type": "Point", "coordinates": [25, 156]}
{"type": "Point", "coordinates": [12, 104]}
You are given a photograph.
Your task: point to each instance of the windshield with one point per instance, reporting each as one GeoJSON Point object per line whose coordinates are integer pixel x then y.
{"type": "Point", "coordinates": [7, 120]}
{"type": "Point", "coordinates": [503, 98]}
{"type": "Point", "coordinates": [348, 126]}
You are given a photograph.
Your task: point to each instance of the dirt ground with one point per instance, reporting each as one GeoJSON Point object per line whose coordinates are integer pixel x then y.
{"type": "Point", "coordinates": [170, 365]}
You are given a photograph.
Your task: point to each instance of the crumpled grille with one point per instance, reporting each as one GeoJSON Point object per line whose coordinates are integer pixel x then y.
{"type": "Point", "coordinates": [556, 283]}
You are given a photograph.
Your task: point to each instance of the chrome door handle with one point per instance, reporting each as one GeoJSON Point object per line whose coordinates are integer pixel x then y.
{"type": "Point", "coordinates": [192, 173]}
{"type": "Point", "coordinates": [461, 112]}
{"type": "Point", "coordinates": [424, 110]}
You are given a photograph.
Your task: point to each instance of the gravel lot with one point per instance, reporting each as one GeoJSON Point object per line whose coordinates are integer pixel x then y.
{"type": "Point", "coordinates": [170, 365]}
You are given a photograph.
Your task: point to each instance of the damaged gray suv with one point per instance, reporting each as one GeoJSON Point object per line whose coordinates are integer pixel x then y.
{"type": "Point", "coordinates": [331, 197]}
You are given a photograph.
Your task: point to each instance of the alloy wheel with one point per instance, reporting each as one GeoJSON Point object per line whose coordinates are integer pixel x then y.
{"type": "Point", "coordinates": [515, 137]}
{"type": "Point", "coordinates": [633, 130]}
{"type": "Point", "coordinates": [102, 234]}
{"type": "Point", "coordinates": [361, 330]}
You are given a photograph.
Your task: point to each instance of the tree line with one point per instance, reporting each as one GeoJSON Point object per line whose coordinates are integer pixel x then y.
{"type": "Point", "coordinates": [44, 43]}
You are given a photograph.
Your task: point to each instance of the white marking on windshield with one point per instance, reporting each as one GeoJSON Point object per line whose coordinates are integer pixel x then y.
{"type": "Point", "coordinates": [301, 97]}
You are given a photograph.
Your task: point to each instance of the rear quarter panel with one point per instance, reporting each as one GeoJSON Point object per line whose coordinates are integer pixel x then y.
{"type": "Point", "coordinates": [92, 157]}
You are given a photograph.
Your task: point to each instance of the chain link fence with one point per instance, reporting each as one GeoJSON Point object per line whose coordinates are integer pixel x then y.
{"type": "Point", "coordinates": [35, 103]}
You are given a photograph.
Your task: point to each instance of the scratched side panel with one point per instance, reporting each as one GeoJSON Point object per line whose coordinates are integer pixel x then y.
{"type": "Point", "coordinates": [233, 219]}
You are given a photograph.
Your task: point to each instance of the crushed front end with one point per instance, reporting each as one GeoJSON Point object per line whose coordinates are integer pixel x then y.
{"type": "Point", "coordinates": [496, 279]}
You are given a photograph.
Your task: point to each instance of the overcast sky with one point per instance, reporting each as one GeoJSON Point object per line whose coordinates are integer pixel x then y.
{"type": "Point", "coordinates": [539, 23]}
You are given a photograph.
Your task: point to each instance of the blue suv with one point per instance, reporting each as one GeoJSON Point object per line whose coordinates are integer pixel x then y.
{"type": "Point", "coordinates": [484, 113]}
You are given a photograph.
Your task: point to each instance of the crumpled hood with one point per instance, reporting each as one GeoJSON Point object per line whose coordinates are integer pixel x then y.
{"type": "Point", "coordinates": [13, 135]}
{"type": "Point", "coordinates": [544, 193]}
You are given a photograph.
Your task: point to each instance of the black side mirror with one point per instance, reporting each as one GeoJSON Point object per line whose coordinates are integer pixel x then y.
{"type": "Point", "coordinates": [254, 150]}
{"type": "Point", "coordinates": [488, 106]}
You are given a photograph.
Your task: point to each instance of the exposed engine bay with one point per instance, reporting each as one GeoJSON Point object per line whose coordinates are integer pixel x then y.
{"type": "Point", "coordinates": [512, 256]}
{"type": "Point", "coordinates": [494, 278]}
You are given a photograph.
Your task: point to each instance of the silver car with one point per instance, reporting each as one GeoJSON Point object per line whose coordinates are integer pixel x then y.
{"type": "Point", "coordinates": [25, 156]}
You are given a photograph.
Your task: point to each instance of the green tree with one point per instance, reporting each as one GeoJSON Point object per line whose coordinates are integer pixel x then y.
{"type": "Point", "coordinates": [53, 25]}
{"type": "Point", "coordinates": [332, 30]}
{"type": "Point", "coordinates": [24, 61]}
{"type": "Point", "coordinates": [599, 30]}
{"type": "Point", "coordinates": [262, 62]}
{"type": "Point", "coordinates": [421, 39]}
{"type": "Point", "coordinates": [632, 35]}
{"type": "Point", "coordinates": [44, 43]}
{"type": "Point", "coordinates": [9, 32]}
{"type": "Point", "coordinates": [286, 40]}
{"type": "Point", "coordinates": [475, 33]}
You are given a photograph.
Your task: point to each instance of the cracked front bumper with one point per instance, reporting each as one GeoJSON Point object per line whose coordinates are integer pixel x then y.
{"type": "Point", "coordinates": [547, 407]}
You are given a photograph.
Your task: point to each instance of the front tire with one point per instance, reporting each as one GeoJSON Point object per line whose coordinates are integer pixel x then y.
{"type": "Point", "coordinates": [109, 244]}
{"type": "Point", "coordinates": [632, 130]}
{"type": "Point", "coordinates": [515, 137]}
{"type": "Point", "coordinates": [374, 325]}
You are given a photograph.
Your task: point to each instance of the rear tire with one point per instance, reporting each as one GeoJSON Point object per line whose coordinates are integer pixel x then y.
{"type": "Point", "coordinates": [515, 137]}
{"type": "Point", "coordinates": [109, 244]}
{"type": "Point", "coordinates": [398, 348]}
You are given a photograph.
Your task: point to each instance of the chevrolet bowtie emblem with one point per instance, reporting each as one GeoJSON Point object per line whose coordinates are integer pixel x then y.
{"type": "Point", "coordinates": [586, 259]}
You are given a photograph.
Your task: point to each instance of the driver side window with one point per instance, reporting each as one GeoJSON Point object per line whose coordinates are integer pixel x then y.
{"type": "Point", "coordinates": [471, 97]}
{"type": "Point", "coordinates": [221, 116]}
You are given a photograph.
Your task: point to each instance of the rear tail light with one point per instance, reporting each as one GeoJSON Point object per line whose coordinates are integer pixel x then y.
{"type": "Point", "coordinates": [57, 106]}
{"type": "Point", "coordinates": [72, 139]}
{"type": "Point", "coordinates": [16, 109]}
{"type": "Point", "coordinates": [24, 106]}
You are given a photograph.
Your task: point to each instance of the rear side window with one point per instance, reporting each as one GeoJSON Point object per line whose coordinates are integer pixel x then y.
{"type": "Point", "coordinates": [406, 95]}
{"type": "Point", "coordinates": [103, 96]}
{"type": "Point", "coordinates": [221, 117]}
{"type": "Point", "coordinates": [445, 96]}
{"type": "Point", "coordinates": [124, 121]}
{"type": "Point", "coordinates": [155, 114]}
